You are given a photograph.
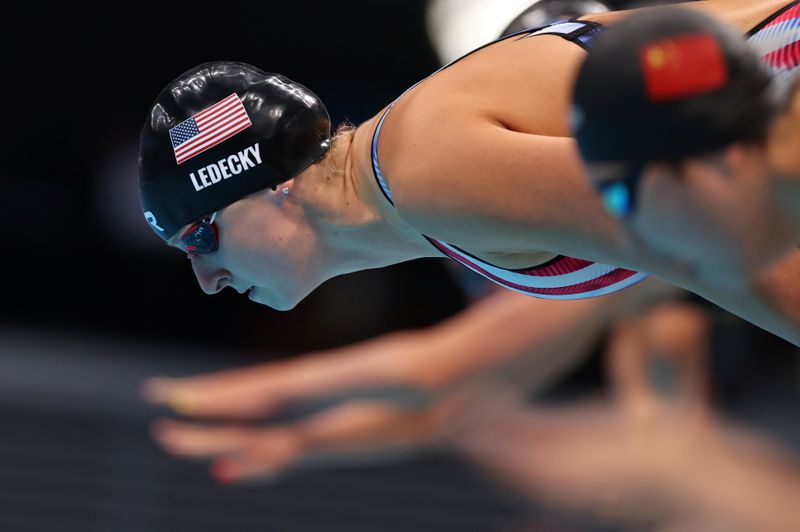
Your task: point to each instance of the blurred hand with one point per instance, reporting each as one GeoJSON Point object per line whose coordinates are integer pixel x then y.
{"type": "Point", "coordinates": [618, 456]}
{"type": "Point", "coordinates": [355, 429]}
{"type": "Point", "coordinates": [396, 392]}
{"type": "Point", "coordinates": [653, 450]}
{"type": "Point", "coordinates": [260, 390]}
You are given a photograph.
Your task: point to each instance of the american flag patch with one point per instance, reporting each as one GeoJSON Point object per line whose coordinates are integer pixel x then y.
{"type": "Point", "coordinates": [208, 128]}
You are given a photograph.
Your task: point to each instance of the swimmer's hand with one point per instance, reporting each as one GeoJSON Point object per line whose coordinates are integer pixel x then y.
{"type": "Point", "coordinates": [388, 393]}
{"type": "Point", "coordinates": [653, 451]}
{"type": "Point", "coordinates": [361, 424]}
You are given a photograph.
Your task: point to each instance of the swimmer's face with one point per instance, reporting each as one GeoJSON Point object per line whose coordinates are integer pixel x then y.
{"type": "Point", "coordinates": [263, 249]}
{"type": "Point", "coordinates": [712, 212]}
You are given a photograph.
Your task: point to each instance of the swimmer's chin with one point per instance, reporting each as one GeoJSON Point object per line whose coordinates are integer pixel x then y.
{"type": "Point", "coordinates": [256, 295]}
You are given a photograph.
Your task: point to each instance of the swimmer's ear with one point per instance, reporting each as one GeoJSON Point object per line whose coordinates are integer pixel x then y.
{"type": "Point", "coordinates": [722, 162]}
{"type": "Point", "coordinates": [744, 161]}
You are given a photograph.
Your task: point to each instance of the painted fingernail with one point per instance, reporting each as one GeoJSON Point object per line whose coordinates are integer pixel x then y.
{"type": "Point", "coordinates": [182, 401]}
{"type": "Point", "coordinates": [224, 470]}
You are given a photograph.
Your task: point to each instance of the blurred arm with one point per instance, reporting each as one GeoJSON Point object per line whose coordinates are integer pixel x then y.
{"type": "Point", "coordinates": [533, 341]}
{"type": "Point", "coordinates": [771, 299]}
{"type": "Point", "coordinates": [647, 452]}
{"type": "Point", "coordinates": [748, 481]}
{"type": "Point", "coordinates": [502, 327]}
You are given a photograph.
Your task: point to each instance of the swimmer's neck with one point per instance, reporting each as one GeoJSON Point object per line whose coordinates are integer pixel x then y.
{"type": "Point", "coordinates": [354, 223]}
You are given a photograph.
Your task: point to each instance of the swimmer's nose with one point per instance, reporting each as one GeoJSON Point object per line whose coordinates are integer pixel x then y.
{"type": "Point", "coordinates": [211, 281]}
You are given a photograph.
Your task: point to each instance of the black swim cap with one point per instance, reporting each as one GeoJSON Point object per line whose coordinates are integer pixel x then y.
{"type": "Point", "coordinates": [668, 83]}
{"type": "Point", "coordinates": [219, 132]}
{"type": "Point", "coordinates": [549, 11]}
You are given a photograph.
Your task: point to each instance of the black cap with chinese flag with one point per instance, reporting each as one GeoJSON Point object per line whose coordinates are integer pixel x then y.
{"type": "Point", "coordinates": [668, 83]}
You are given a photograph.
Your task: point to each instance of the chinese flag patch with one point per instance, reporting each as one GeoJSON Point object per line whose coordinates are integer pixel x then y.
{"type": "Point", "coordinates": [683, 66]}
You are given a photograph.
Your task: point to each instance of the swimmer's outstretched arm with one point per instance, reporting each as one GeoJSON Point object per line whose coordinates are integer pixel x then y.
{"type": "Point", "coordinates": [531, 343]}
{"type": "Point", "coordinates": [497, 329]}
{"type": "Point", "coordinates": [500, 328]}
{"type": "Point", "coordinates": [440, 361]}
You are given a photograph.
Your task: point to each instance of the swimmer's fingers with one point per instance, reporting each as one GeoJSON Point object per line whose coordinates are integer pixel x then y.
{"type": "Point", "coordinates": [240, 392]}
{"type": "Point", "coordinates": [195, 440]}
{"type": "Point", "coordinates": [353, 432]}
{"type": "Point", "coordinates": [258, 450]}
{"type": "Point", "coordinates": [261, 389]}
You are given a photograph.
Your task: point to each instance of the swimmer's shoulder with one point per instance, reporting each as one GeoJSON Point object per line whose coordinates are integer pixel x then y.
{"type": "Point", "coordinates": [479, 155]}
{"type": "Point", "coordinates": [459, 177]}
{"type": "Point", "coordinates": [521, 85]}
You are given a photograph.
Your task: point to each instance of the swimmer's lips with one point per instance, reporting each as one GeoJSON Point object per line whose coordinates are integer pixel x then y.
{"type": "Point", "coordinates": [245, 291]}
